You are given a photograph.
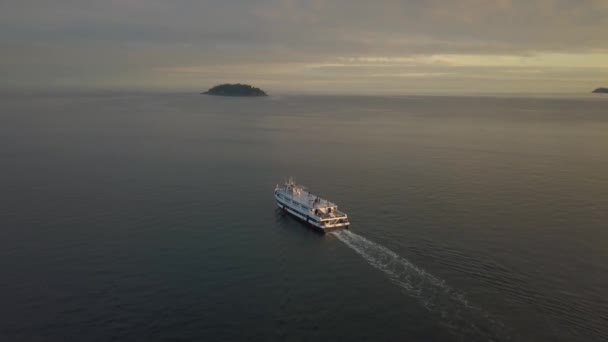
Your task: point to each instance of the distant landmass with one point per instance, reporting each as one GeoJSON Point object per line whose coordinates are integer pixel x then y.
{"type": "Point", "coordinates": [235, 90]}
{"type": "Point", "coordinates": [601, 91]}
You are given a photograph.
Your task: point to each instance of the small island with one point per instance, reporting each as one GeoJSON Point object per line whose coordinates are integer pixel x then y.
{"type": "Point", "coordinates": [235, 90]}
{"type": "Point", "coordinates": [601, 91]}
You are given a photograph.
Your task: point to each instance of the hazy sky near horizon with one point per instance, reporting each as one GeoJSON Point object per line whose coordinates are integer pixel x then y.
{"type": "Point", "coordinates": [319, 46]}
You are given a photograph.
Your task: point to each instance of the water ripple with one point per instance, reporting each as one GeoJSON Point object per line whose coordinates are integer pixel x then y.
{"type": "Point", "coordinates": [463, 319]}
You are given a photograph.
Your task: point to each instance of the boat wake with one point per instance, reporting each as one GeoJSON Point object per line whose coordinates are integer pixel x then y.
{"type": "Point", "coordinates": [455, 312]}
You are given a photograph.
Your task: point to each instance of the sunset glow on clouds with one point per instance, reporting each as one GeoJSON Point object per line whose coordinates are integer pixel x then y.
{"type": "Point", "coordinates": [307, 46]}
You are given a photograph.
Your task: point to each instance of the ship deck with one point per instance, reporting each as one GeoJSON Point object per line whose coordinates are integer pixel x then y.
{"type": "Point", "coordinates": [333, 215]}
{"type": "Point", "coordinates": [307, 199]}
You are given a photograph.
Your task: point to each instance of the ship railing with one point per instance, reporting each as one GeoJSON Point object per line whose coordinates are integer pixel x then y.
{"type": "Point", "coordinates": [334, 215]}
{"type": "Point", "coordinates": [336, 223]}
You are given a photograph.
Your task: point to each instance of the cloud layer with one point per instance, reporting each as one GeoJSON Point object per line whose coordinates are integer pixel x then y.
{"type": "Point", "coordinates": [316, 45]}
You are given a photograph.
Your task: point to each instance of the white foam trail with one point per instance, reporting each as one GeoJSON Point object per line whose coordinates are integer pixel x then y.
{"type": "Point", "coordinates": [433, 293]}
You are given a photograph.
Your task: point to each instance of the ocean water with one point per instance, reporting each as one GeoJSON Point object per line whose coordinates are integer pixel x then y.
{"type": "Point", "coordinates": [150, 217]}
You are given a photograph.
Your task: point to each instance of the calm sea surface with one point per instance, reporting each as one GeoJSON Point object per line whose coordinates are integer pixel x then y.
{"type": "Point", "coordinates": [151, 218]}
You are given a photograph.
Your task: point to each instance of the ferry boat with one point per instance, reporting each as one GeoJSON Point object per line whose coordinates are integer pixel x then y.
{"type": "Point", "coordinates": [316, 211]}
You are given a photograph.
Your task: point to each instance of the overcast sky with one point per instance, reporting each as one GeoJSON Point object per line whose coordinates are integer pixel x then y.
{"type": "Point", "coordinates": [314, 46]}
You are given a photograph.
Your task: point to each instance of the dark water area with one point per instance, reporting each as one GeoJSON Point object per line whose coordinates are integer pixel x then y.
{"type": "Point", "coordinates": [151, 217]}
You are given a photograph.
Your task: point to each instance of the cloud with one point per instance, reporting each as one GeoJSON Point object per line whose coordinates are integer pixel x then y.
{"type": "Point", "coordinates": [141, 43]}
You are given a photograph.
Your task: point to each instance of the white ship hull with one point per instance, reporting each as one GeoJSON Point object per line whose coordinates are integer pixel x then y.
{"type": "Point", "coordinates": [319, 213]}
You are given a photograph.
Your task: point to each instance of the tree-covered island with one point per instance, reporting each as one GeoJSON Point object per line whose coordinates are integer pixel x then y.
{"type": "Point", "coordinates": [235, 90]}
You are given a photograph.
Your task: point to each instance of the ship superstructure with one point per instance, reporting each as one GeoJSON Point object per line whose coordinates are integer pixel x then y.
{"type": "Point", "coordinates": [318, 212]}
